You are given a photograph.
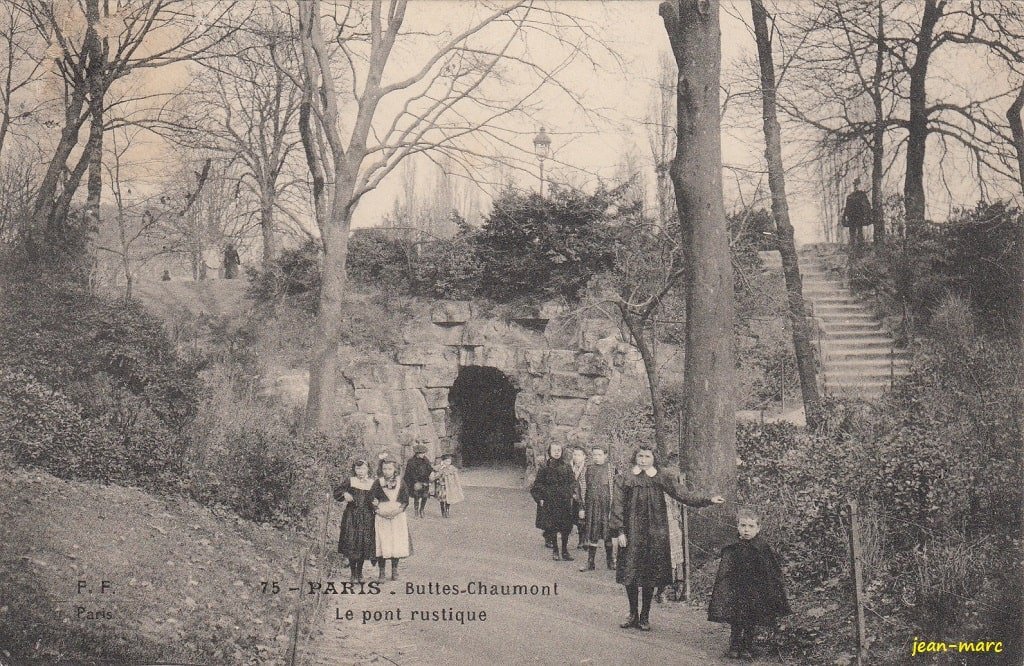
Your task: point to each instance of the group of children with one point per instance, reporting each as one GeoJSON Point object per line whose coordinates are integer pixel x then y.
{"type": "Point", "coordinates": [373, 524]}
{"type": "Point", "coordinates": [636, 511]}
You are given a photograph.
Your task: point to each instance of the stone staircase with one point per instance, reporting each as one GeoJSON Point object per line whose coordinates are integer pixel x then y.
{"type": "Point", "coordinates": [858, 358]}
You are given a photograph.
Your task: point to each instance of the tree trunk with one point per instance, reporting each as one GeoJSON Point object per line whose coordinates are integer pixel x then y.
{"type": "Point", "coordinates": [94, 185]}
{"type": "Point", "coordinates": [709, 409]}
{"type": "Point", "coordinates": [334, 238]}
{"type": "Point", "coordinates": [636, 331]}
{"type": "Point", "coordinates": [267, 226]}
{"type": "Point", "coordinates": [802, 346]}
{"type": "Point", "coordinates": [917, 125]}
{"type": "Point", "coordinates": [878, 136]}
{"type": "Point", "coordinates": [1013, 115]}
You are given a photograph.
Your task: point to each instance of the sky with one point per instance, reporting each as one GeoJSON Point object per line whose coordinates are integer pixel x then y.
{"type": "Point", "coordinates": [601, 107]}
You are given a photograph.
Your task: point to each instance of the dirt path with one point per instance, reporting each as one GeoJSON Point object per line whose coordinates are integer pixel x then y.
{"type": "Point", "coordinates": [491, 538]}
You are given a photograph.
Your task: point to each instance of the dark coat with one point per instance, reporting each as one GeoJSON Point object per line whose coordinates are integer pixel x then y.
{"type": "Point", "coordinates": [418, 470]}
{"type": "Point", "coordinates": [857, 212]}
{"type": "Point", "coordinates": [748, 588]}
{"type": "Point", "coordinates": [597, 504]}
{"type": "Point", "coordinates": [377, 493]}
{"type": "Point", "coordinates": [358, 538]}
{"type": "Point", "coordinates": [639, 512]}
{"type": "Point", "coordinates": [553, 486]}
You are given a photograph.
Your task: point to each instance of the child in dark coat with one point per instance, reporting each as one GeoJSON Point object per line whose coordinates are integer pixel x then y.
{"type": "Point", "coordinates": [749, 589]}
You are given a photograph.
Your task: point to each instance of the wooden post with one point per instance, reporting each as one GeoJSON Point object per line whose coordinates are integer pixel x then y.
{"type": "Point", "coordinates": [782, 382]}
{"type": "Point", "coordinates": [296, 618]}
{"type": "Point", "coordinates": [857, 582]}
{"type": "Point", "coordinates": [686, 554]}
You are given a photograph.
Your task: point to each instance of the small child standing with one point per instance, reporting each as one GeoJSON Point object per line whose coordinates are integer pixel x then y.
{"type": "Point", "coordinates": [749, 589]}
{"type": "Point", "coordinates": [448, 486]}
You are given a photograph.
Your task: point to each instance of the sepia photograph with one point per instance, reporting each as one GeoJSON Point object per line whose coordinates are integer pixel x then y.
{"type": "Point", "coordinates": [470, 332]}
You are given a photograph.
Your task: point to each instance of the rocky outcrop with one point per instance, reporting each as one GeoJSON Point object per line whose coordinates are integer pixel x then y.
{"type": "Point", "coordinates": [403, 400]}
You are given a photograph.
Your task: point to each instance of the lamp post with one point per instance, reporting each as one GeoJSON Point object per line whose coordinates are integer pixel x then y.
{"type": "Point", "coordinates": [541, 144]}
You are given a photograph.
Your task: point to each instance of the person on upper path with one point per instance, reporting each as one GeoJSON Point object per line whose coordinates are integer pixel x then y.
{"type": "Point", "coordinates": [357, 540]}
{"type": "Point", "coordinates": [553, 492]}
{"type": "Point", "coordinates": [857, 213]}
{"type": "Point", "coordinates": [231, 262]}
{"type": "Point", "coordinates": [417, 478]}
{"type": "Point", "coordinates": [749, 588]}
{"type": "Point", "coordinates": [639, 521]}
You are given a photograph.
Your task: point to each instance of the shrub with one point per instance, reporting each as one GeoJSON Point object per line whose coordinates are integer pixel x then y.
{"type": "Point", "coordinates": [546, 247]}
{"type": "Point", "coordinates": [449, 268]}
{"type": "Point", "coordinates": [293, 277]}
{"type": "Point", "coordinates": [378, 258]}
{"type": "Point", "coordinates": [253, 457]}
{"type": "Point", "coordinates": [976, 255]}
{"type": "Point", "coordinates": [125, 394]}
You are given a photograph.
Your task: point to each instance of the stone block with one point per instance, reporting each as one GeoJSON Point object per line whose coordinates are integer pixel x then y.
{"type": "Point", "coordinates": [436, 376]}
{"type": "Point", "coordinates": [448, 313]}
{"type": "Point", "coordinates": [534, 361]}
{"type": "Point", "coordinates": [424, 332]}
{"type": "Point", "coordinates": [435, 398]}
{"type": "Point", "coordinates": [592, 365]}
{"type": "Point", "coordinates": [427, 354]}
{"type": "Point", "coordinates": [560, 360]}
{"type": "Point", "coordinates": [479, 332]}
{"type": "Point", "coordinates": [568, 411]}
{"type": "Point", "coordinates": [371, 401]}
{"type": "Point", "coordinates": [572, 385]}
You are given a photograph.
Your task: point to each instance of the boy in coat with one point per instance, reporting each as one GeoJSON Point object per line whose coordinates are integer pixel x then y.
{"type": "Point", "coordinates": [417, 478]}
{"type": "Point", "coordinates": [748, 588]}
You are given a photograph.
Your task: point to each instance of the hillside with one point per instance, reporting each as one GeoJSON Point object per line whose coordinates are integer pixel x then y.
{"type": "Point", "coordinates": [184, 585]}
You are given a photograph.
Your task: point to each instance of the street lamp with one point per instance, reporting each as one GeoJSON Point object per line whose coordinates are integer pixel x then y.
{"type": "Point", "coordinates": [541, 145]}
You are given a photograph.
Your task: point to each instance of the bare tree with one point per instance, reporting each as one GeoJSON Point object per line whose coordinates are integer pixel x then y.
{"type": "Point", "coordinates": [20, 68]}
{"type": "Point", "coordinates": [442, 105]}
{"type": "Point", "coordinates": [251, 106]}
{"type": "Point", "coordinates": [1017, 131]}
{"type": "Point", "coordinates": [709, 410]}
{"type": "Point", "coordinates": [802, 346]}
{"type": "Point", "coordinates": [95, 45]}
{"type": "Point", "coordinates": [867, 74]}
{"type": "Point", "coordinates": [661, 134]}
{"type": "Point", "coordinates": [648, 267]}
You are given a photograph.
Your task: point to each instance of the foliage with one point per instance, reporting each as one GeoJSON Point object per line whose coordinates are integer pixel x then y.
{"type": "Point", "coordinates": [294, 277]}
{"type": "Point", "coordinates": [976, 255]}
{"type": "Point", "coordinates": [376, 257]}
{"type": "Point", "coordinates": [936, 468]}
{"type": "Point", "coordinates": [546, 247]}
{"type": "Point", "coordinates": [449, 268]}
{"type": "Point", "coordinates": [125, 394]}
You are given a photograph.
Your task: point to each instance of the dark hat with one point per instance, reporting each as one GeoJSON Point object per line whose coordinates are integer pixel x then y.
{"type": "Point", "coordinates": [447, 456]}
{"type": "Point", "coordinates": [419, 448]}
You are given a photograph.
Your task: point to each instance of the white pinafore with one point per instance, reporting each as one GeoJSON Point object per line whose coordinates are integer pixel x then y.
{"type": "Point", "coordinates": [392, 533]}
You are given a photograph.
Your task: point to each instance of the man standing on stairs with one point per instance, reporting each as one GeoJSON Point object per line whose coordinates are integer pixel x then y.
{"type": "Point", "coordinates": [857, 214]}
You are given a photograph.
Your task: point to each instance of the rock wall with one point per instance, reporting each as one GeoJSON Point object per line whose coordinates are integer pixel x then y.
{"type": "Point", "coordinates": [403, 401]}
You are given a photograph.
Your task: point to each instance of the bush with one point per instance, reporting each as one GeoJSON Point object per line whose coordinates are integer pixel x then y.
{"type": "Point", "coordinates": [293, 277]}
{"type": "Point", "coordinates": [125, 394]}
{"type": "Point", "coordinates": [449, 268]}
{"type": "Point", "coordinates": [976, 255]}
{"type": "Point", "coordinates": [936, 468]}
{"type": "Point", "coordinates": [253, 457]}
{"type": "Point", "coordinates": [377, 258]}
{"type": "Point", "coordinates": [546, 247]}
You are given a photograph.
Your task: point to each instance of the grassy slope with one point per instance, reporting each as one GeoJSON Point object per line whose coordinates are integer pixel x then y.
{"type": "Point", "coordinates": [186, 584]}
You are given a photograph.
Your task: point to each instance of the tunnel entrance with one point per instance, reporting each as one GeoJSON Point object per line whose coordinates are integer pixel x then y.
{"type": "Point", "coordinates": [483, 411]}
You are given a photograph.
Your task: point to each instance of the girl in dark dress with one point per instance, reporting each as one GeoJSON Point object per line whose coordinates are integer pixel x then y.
{"type": "Point", "coordinates": [357, 540]}
{"type": "Point", "coordinates": [552, 490]}
{"type": "Point", "coordinates": [639, 521]}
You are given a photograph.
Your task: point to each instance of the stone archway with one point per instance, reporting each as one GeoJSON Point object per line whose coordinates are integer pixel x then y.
{"type": "Point", "coordinates": [482, 403]}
